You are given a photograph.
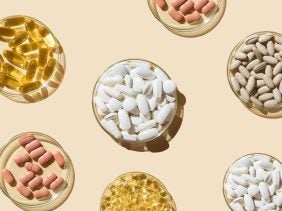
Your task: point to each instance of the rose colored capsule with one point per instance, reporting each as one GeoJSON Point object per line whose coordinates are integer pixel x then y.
{"type": "Point", "coordinates": [35, 183]}
{"type": "Point", "coordinates": [32, 167]}
{"type": "Point", "coordinates": [26, 140]}
{"type": "Point", "coordinates": [195, 16]}
{"type": "Point", "coordinates": [59, 158]}
{"type": "Point", "coordinates": [49, 179]}
{"type": "Point", "coordinates": [57, 183]}
{"type": "Point", "coordinates": [37, 153]}
{"type": "Point", "coordinates": [33, 145]}
{"type": "Point", "coordinates": [27, 177]}
{"type": "Point", "coordinates": [24, 191]}
{"type": "Point", "coordinates": [176, 15]}
{"type": "Point", "coordinates": [162, 4]}
{"type": "Point", "coordinates": [208, 8]}
{"type": "Point", "coordinates": [45, 158]}
{"type": "Point", "coordinates": [21, 159]}
{"type": "Point", "coordinates": [42, 193]}
{"type": "Point", "coordinates": [177, 3]}
{"type": "Point", "coordinates": [187, 7]}
{"type": "Point", "coordinates": [8, 176]}
{"type": "Point", "coordinates": [200, 4]}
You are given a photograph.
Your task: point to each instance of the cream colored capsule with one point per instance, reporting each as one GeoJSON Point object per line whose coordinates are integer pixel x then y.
{"type": "Point", "coordinates": [148, 134]}
{"type": "Point", "coordinates": [257, 53]}
{"type": "Point", "coordinates": [252, 64]}
{"type": "Point", "coordinates": [271, 104]}
{"type": "Point", "coordinates": [277, 79]}
{"type": "Point", "coordinates": [262, 49]}
{"type": "Point", "coordinates": [243, 70]}
{"type": "Point", "coordinates": [244, 95]}
{"type": "Point", "coordinates": [234, 65]}
{"type": "Point", "coordinates": [263, 90]}
{"type": "Point", "coordinates": [268, 81]}
{"type": "Point", "coordinates": [269, 71]}
{"type": "Point", "coordinates": [252, 39]}
{"type": "Point", "coordinates": [265, 97]}
{"type": "Point", "coordinates": [240, 78]}
{"type": "Point", "coordinates": [270, 60]}
{"type": "Point", "coordinates": [235, 84]}
{"type": "Point", "coordinates": [251, 84]}
{"type": "Point", "coordinates": [277, 95]}
{"type": "Point", "coordinates": [270, 48]}
{"type": "Point", "coordinates": [128, 137]}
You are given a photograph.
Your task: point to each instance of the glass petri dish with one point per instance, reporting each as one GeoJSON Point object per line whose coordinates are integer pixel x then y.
{"type": "Point", "coordinates": [12, 149]}
{"type": "Point", "coordinates": [99, 118]}
{"type": "Point", "coordinates": [228, 200]}
{"type": "Point", "coordinates": [199, 28]}
{"type": "Point", "coordinates": [258, 110]}
{"type": "Point", "coordinates": [34, 65]}
{"type": "Point", "coordinates": [137, 191]}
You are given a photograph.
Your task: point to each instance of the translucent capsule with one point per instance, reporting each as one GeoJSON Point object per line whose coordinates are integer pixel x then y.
{"type": "Point", "coordinates": [14, 58]}
{"type": "Point", "coordinates": [43, 56]}
{"type": "Point", "coordinates": [1, 59]}
{"type": "Point", "coordinates": [14, 21]}
{"type": "Point", "coordinates": [47, 37]}
{"type": "Point", "coordinates": [33, 30]}
{"type": "Point", "coordinates": [11, 70]}
{"type": "Point", "coordinates": [11, 82]}
{"type": "Point", "coordinates": [7, 32]}
{"type": "Point", "coordinates": [19, 39]}
{"type": "Point", "coordinates": [49, 69]}
{"type": "Point", "coordinates": [26, 48]}
{"type": "Point", "coordinates": [30, 87]}
{"type": "Point", "coordinates": [31, 68]}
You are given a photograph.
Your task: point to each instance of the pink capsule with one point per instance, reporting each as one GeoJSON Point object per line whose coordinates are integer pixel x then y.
{"type": "Point", "coordinates": [26, 139]}
{"type": "Point", "coordinates": [45, 158]}
{"type": "Point", "coordinates": [195, 16]}
{"type": "Point", "coordinates": [35, 183]}
{"type": "Point", "coordinates": [176, 15]}
{"type": "Point", "coordinates": [35, 154]}
{"type": "Point", "coordinates": [8, 176]}
{"type": "Point", "coordinates": [32, 167]}
{"type": "Point", "coordinates": [33, 145]}
{"type": "Point", "coordinates": [27, 177]}
{"type": "Point", "coordinates": [187, 7]}
{"type": "Point", "coordinates": [162, 4]}
{"type": "Point", "coordinates": [57, 183]}
{"type": "Point", "coordinates": [208, 8]}
{"type": "Point", "coordinates": [49, 179]}
{"type": "Point", "coordinates": [42, 193]}
{"type": "Point", "coordinates": [24, 191]}
{"type": "Point", "coordinates": [59, 158]}
{"type": "Point", "coordinates": [200, 4]}
{"type": "Point", "coordinates": [177, 3]}
{"type": "Point", "coordinates": [21, 159]}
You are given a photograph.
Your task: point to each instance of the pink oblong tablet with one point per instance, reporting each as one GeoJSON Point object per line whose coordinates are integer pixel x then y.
{"type": "Point", "coordinates": [57, 183]}
{"type": "Point", "coordinates": [200, 4]}
{"type": "Point", "coordinates": [161, 4]}
{"type": "Point", "coordinates": [27, 177]}
{"type": "Point", "coordinates": [8, 176]}
{"type": "Point", "coordinates": [195, 16]}
{"type": "Point", "coordinates": [32, 167]}
{"type": "Point", "coordinates": [49, 179]}
{"type": "Point", "coordinates": [208, 8]}
{"type": "Point", "coordinates": [26, 139]}
{"type": "Point", "coordinates": [45, 158]}
{"type": "Point", "coordinates": [177, 3]}
{"type": "Point", "coordinates": [35, 183]}
{"type": "Point", "coordinates": [34, 154]}
{"type": "Point", "coordinates": [21, 159]}
{"type": "Point", "coordinates": [187, 7]}
{"type": "Point", "coordinates": [176, 15]}
{"type": "Point", "coordinates": [59, 158]}
{"type": "Point", "coordinates": [42, 193]}
{"type": "Point", "coordinates": [33, 145]}
{"type": "Point", "coordinates": [24, 191]}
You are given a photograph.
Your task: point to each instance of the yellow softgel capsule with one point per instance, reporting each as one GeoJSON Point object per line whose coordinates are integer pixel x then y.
{"type": "Point", "coordinates": [49, 69]}
{"type": "Point", "coordinates": [31, 69]}
{"type": "Point", "coordinates": [33, 30]}
{"type": "Point", "coordinates": [43, 56]}
{"type": "Point", "coordinates": [47, 37]}
{"type": "Point", "coordinates": [12, 71]}
{"type": "Point", "coordinates": [14, 21]}
{"type": "Point", "coordinates": [1, 59]}
{"type": "Point", "coordinates": [19, 39]}
{"type": "Point", "coordinates": [26, 48]}
{"type": "Point", "coordinates": [30, 87]}
{"type": "Point", "coordinates": [7, 32]}
{"type": "Point", "coordinates": [11, 82]}
{"type": "Point", "coordinates": [15, 58]}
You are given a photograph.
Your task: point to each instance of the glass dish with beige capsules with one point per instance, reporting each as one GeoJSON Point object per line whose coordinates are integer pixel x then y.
{"type": "Point", "coordinates": [188, 18]}
{"type": "Point", "coordinates": [35, 172]}
{"type": "Point", "coordinates": [32, 60]}
{"type": "Point", "coordinates": [254, 73]}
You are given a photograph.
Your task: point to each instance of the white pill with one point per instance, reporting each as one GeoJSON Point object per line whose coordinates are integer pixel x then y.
{"type": "Point", "coordinates": [265, 38]}
{"type": "Point", "coordinates": [244, 162]}
{"type": "Point", "coordinates": [236, 207]}
{"type": "Point", "coordinates": [111, 116]}
{"type": "Point", "coordinates": [270, 60]}
{"type": "Point", "coordinates": [270, 48]}
{"type": "Point", "coordinates": [253, 190]}
{"type": "Point", "coordinates": [271, 104]}
{"type": "Point", "coordinates": [244, 71]}
{"type": "Point", "coordinates": [128, 137]}
{"type": "Point", "coordinates": [126, 90]}
{"type": "Point", "coordinates": [262, 48]}
{"type": "Point", "coordinates": [128, 81]}
{"type": "Point", "coordinates": [240, 190]}
{"type": "Point", "coordinates": [239, 170]}
{"type": "Point", "coordinates": [148, 134]}
{"type": "Point", "coordinates": [164, 114]}
{"type": "Point", "coordinates": [112, 80]}
{"type": "Point", "coordinates": [267, 207]}
{"type": "Point", "coordinates": [239, 180]}
{"type": "Point", "coordinates": [277, 79]}
{"type": "Point", "coordinates": [129, 104]}
{"type": "Point", "coordinates": [249, 203]}
{"type": "Point", "coordinates": [278, 200]}
{"type": "Point", "coordinates": [112, 92]}
{"type": "Point", "coordinates": [263, 188]}
{"type": "Point", "coordinates": [111, 128]}
{"type": "Point", "coordinates": [160, 74]}
{"type": "Point", "coordinates": [147, 89]}
{"type": "Point", "coordinates": [152, 103]}
{"type": "Point", "coordinates": [100, 104]}
{"type": "Point", "coordinates": [146, 125]}
{"type": "Point", "coordinates": [169, 86]}
{"type": "Point", "coordinates": [118, 69]}
{"type": "Point", "coordinates": [235, 65]}
{"type": "Point", "coordinates": [241, 79]}
{"type": "Point", "coordinates": [240, 55]}
{"type": "Point", "coordinates": [252, 64]}
{"type": "Point", "coordinates": [229, 190]}
{"type": "Point", "coordinates": [276, 178]}
{"type": "Point", "coordinates": [158, 89]}
{"type": "Point", "coordinates": [250, 178]}
{"type": "Point", "coordinates": [140, 63]}
{"type": "Point", "coordinates": [124, 120]}
{"type": "Point", "coordinates": [142, 104]}
{"type": "Point", "coordinates": [277, 95]}
{"type": "Point", "coordinates": [265, 97]}
{"type": "Point", "coordinates": [138, 84]}
{"type": "Point", "coordinates": [114, 105]}
{"type": "Point", "coordinates": [235, 84]}
{"type": "Point", "coordinates": [145, 73]}
{"type": "Point", "coordinates": [136, 120]}
{"type": "Point", "coordinates": [101, 93]}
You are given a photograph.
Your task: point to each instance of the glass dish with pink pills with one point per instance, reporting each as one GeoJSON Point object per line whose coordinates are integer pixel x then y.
{"type": "Point", "coordinates": [35, 172]}
{"type": "Point", "coordinates": [188, 18]}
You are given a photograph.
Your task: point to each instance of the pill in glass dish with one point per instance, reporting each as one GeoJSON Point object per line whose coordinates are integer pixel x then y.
{"type": "Point", "coordinates": [200, 4]}
{"type": "Point", "coordinates": [35, 183]}
{"type": "Point", "coordinates": [21, 159]}
{"type": "Point", "coordinates": [27, 177]}
{"type": "Point", "coordinates": [57, 183]}
{"type": "Point", "coordinates": [59, 158]}
{"type": "Point", "coordinates": [26, 140]}
{"type": "Point", "coordinates": [46, 158]}
{"type": "Point", "coordinates": [162, 4]}
{"type": "Point", "coordinates": [7, 32]}
{"type": "Point", "coordinates": [24, 191]}
{"type": "Point", "coordinates": [14, 22]}
{"type": "Point", "coordinates": [177, 3]}
{"type": "Point", "coordinates": [35, 154]}
{"type": "Point", "coordinates": [208, 8]}
{"type": "Point", "coordinates": [193, 17]}
{"type": "Point", "coordinates": [32, 167]}
{"type": "Point", "coordinates": [19, 39]}
{"type": "Point", "coordinates": [8, 176]}
{"type": "Point", "coordinates": [32, 145]}
{"type": "Point", "coordinates": [176, 15]}
{"type": "Point", "coordinates": [49, 179]}
{"type": "Point", "coordinates": [41, 194]}
{"type": "Point", "coordinates": [186, 7]}
{"type": "Point", "coordinates": [15, 58]}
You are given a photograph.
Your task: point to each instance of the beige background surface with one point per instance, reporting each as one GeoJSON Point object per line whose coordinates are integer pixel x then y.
{"type": "Point", "coordinates": [216, 128]}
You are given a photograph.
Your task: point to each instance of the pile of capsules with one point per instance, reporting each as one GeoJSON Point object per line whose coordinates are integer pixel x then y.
{"type": "Point", "coordinates": [31, 184]}
{"type": "Point", "coordinates": [29, 61]}
{"type": "Point", "coordinates": [187, 10]}
{"type": "Point", "coordinates": [135, 100]}
{"type": "Point", "coordinates": [136, 191]}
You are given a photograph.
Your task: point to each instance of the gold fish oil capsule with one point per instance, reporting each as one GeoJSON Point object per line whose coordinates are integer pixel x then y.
{"type": "Point", "coordinates": [30, 86]}
{"type": "Point", "coordinates": [43, 56]}
{"type": "Point", "coordinates": [15, 58]}
{"type": "Point", "coordinates": [26, 48]}
{"type": "Point", "coordinates": [14, 21]}
{"type": "Point", "coordinates": [33, 30]}
{"type": "Point", "coordinates": [47, 37]}
{"type": "Point", "coordinates": [11, 82]}
{"type": "Point", "coordinates": [49, 69]}
{"type": "Point", "coordinates": [19, 39]}
{"type": "Point", "coordinates": [1, 59]}
{"type": "Point", "coordinates": [12, 71]}
{"type": "Point", "coordinates": [7, 32]}
{"type": "Point", "coordinates": [31, 68]}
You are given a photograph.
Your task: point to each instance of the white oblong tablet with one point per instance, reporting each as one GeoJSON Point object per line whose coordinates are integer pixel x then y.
{"type": "Point", "coordinates": [148, 134]}
{"type": "Point", "coordinates": [129, 104]}
{"type": "Point", "coordinates": [138, 84]}
{"type": "Point", "coordinates": [100, 104]}
{"type": "Point", "coordinates": [142, 104]}
{"type": "Point", "coordinates": [124, 120]}
{"type": "Point", "coordinates": [145, 73]}
{"type": "Point", "coordinates": [114, 105]}
{"type": "Point", "coordinates": [118, 69]}
{"type": "Point", "coordinates": [112, 80]}
{"type": "Point", "coordinates": [112, 92]}
{"type": "Point", "coordinates": [126, 90]}
{"type": "Point", "coordinates": [111, 128]}
{"type": "Point", "coordinates": [160, 74]}
{"type": "Point", "coordinates": [158, 89]}
{"type": "Point", "coordinates": [146, 125]}
{"type": "Point", "coordinates": [128, 137]}
{"type": "Point", "coordinates": [169, 86]}
{"type": "Point", "coordinates": [164, 114]}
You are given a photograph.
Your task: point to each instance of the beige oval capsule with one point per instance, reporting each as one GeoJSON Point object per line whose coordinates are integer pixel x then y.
{"type": "Point", "coordinates": [187, 7]}
{"type": "Point", "coordinates": [200, 4]}
{"type": "Point", "coordinates": [59, 158]}
{"type": "Point", "coordinates": [24, 191]}
{"type": "Point", "coordinates": [268, 81]}
{"type": "Point", "coordinates": [194, 17]}
{"type": "Point", "coordinates": [32, 145]}
{"type": "Point", "coordinates": [252, 39]}
{"type": "Point", "coordinates": [262, 49]}
{"type": "Point", "coordinates": [243, 70]}
{"type": "Point", "coordinates": [251, 84]}
{"type": "Point", "coordinates": [32, 167]}
{"type": "Point", "coordinates": [247, 48]}
{"type": "Point", "coordinates": [270, 48]}
{"type": "Point", "coordinates": [207, 9]}
{"type": "Point", "coordinates": [45, 158]}
{"type": "Point", "coordinates": [271, 104]}
{"type": "Point", "coordinates": [277, 79]}
{"type": "Point", "coordinates": [35, 154]}
{"type": "Point", "coordinates": [49, 179]}
{"type": "Point", "coordinates": [252, 64]}
{"type": "Point", "coordinates": [277, 95]}
{"type": "Point", "coordinates": [257, 53]}
{"type": "Point", "coordinates": [265, 38]}
{"type": "Point", "coordinates": [162, 4]}
{"type": "Point", "coordinates": [263, 90]}
{"type": "Point", "coordinates": [21, 159]}
{"type": "Point", "coordinates": [177, 16]}
{"type": "Point", "coordinates": [270, 60]}
{"type": "Point", "coordinates": [41, 194]}
{"type": "Point", "coordinates": [241, 79]}
{"type": "Point", "coordinates": [27, 177]}
{"type": "Point", "coordinates": [240, 55]}
{"type": "Point", "coordinates": [35, 183]}
{"type": "Point", "coordinates": [57, 183]}
{"type": "Point", "coordinates": [244, 95]}
{"type": "Point", "coordinates": [278, 47]}
{"type": "Point", "coordinates": [8, 176]}
{"type": "Point", "coordinates": [268, 71]}
{"type": "Point", "coordinates": [234, 65]}
{"type": "Point", "coordinates": [235, 84]}
{"type": "Point", "coordinates": [256, 102]}
{"type": "Point", "coordinates": [26, 139]}
{"type": "Point", "coordinates": [259, 67]}
{"type": "Point", "coordinates": [260, 83]}
{"type": "Point", "coordinates": [277, 69]}
{"type": "Point", "coordinates": [265, 97]}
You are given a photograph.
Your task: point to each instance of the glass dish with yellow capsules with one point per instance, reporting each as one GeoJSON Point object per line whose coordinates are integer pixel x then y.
{"type": "Point", "coordinates": [32, 60]}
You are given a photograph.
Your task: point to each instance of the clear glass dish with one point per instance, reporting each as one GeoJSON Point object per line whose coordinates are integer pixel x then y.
{"type": "Point", "coordinates": [98, 117]}
{"type": "Point", "coordinates": [13, 148]}
{"type": "Point", "coordinates": [48, 85]}
{"type": "Point", "coordinates": [189, 30]}
{"type": "Point", "coordinates": [263, 112]}
{"type": "Point", "coordinates": [132, 179]}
